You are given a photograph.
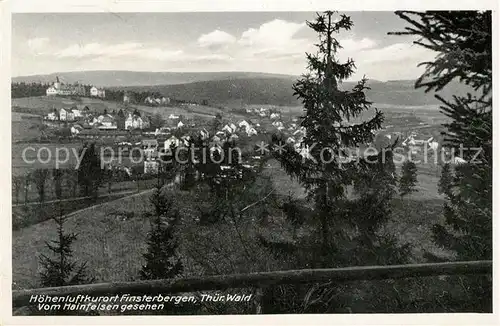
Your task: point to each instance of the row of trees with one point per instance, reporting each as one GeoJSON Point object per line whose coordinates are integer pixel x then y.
{"type": "Point", "coordinates": [87, 178]}
{"type": "Point", "coordinates": [28, 89]}
{"type": "Point", "coordinates": [24, 89]}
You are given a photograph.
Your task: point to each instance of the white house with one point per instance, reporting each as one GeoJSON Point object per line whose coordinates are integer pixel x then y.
{"type": "Point", "coordinates": [133, 122]}
{"type": "Point", "coordinates": [251, 132]}
{"type": "Point", "coordinates": [185, 140]}
{"type": "Point", "coordinates": [204, 134]}
{"type": "Point", "coordinates": [233, 127]}
{"type": "Point", "coordinates": [172, 141]}
{"type": "Point", "coordinates": [107, 120]}
{"type": "Point", "coordinates": [173, 116]}
{"type": "Point", "coordinates": [52, 116]}
{"type": "Point", "coordinates": [94, 91]}
{"type": "Point", "coordinates": [92, 121]}
{"type": "Point", "coordinates": [97, 92]}
{"type": "Point", "coordinates": [274, 116]}
{"type": "Point", "coordinates": [180, 124]}
{"type": "Point", "coordinates": [244, 124]}
{"type": "Point", "coordinates": [51, 91]}
{"type": "Point", "coordinates": [137, 123]}
{"type": "Point", "coordinates": [77, 113]}
{"type": "Point", "coordinates": [66, 115]}
{"type": "Point", "coordinates": [227, 129]}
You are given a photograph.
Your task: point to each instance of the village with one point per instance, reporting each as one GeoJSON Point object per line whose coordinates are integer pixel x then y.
{"type": "Point", "coordinates": [129, 128]}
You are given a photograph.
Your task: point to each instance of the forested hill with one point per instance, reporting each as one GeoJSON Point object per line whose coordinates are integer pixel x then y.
{"type": "Point", "coordinates": [278, 91]}
{"type": "Point", "coordinates": [230, 88]}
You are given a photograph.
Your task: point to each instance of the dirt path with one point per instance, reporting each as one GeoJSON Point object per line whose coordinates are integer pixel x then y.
{"type": "Point", "coordinates": [101, 204]}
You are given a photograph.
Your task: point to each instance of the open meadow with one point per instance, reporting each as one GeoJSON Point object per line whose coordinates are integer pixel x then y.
{"type": "Point", "coordinates": [112, 236]}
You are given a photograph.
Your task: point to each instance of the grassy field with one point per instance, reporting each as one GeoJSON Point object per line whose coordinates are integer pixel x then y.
{"type": "Point", "coordinates": [113, 246]}
{"type": "Point", "coordinates": [25, 126]}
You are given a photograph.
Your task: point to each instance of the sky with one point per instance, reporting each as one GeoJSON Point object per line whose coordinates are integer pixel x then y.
{"type": "Point", "coordinates": [272, 42]}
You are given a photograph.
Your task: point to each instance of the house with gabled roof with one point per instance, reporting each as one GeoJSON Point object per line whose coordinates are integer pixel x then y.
{"type": "Point", "coordinates": [227, 129]}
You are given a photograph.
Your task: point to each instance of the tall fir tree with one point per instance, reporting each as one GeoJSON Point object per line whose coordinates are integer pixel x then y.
{"type": "Point", "coordinates": [445, 179]}
{"type": "Point", "coordinates": [162, 259]}
{"type": "Point", "coordinates": [408, 180]}
{"type": "Point", "coordinates": [61, 270]}
{"type": "Point", "coordinates": [463, 42]}
{"type": "Point", "coordinates": [329, 121]}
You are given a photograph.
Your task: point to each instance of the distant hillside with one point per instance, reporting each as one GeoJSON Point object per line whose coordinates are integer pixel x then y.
{"type": "Point", "coordinates": [278, 91]}
{"type": "Point", "coordinates": [275, 91]}
{"type": "Point", "coordinates": [238, 88]}
{"type": "Point", "coordinates": [137, 78]}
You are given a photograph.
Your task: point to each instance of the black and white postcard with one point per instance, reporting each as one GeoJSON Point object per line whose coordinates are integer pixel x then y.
{"type": "Point", "coordinates": [309, 163]}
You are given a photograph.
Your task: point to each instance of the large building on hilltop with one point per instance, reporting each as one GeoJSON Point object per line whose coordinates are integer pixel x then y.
{"type": "Point", "coordinates": [97, 92]}
{"type": "Point", "coordinates": [62, 89]}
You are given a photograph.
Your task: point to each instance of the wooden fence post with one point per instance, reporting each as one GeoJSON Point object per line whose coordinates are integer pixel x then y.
{"type": "Point", "coordinates": [259, 295]}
